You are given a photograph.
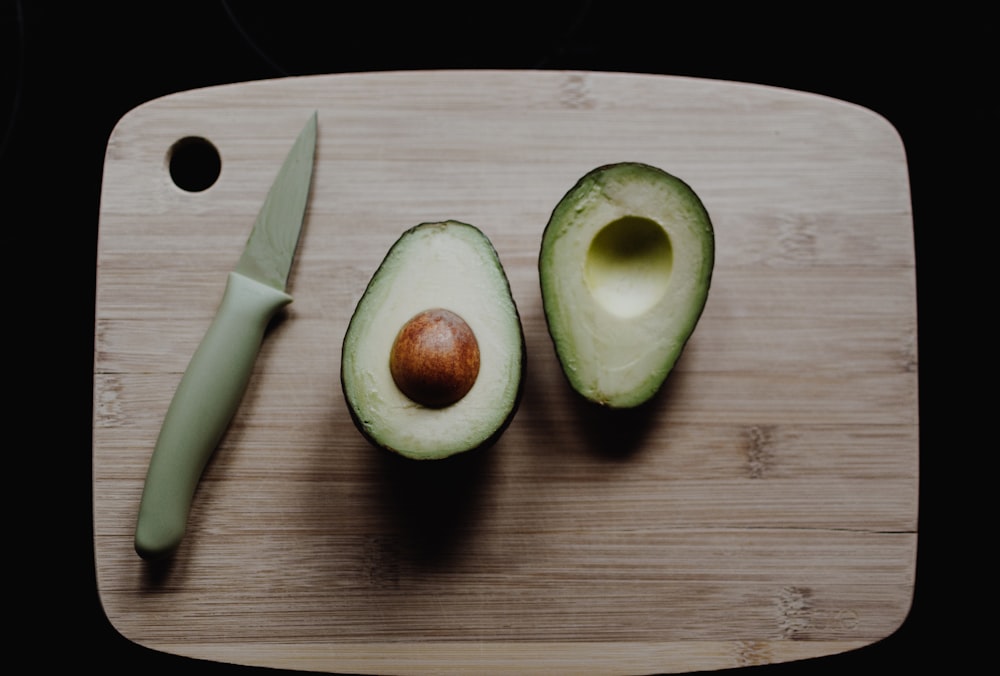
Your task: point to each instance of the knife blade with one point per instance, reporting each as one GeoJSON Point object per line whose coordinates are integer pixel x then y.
{"type": "Point", "coordinates": [216, 378]}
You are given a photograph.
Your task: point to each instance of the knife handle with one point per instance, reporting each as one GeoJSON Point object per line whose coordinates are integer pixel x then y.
{"type": "Point", "coordinates": [202, 408]}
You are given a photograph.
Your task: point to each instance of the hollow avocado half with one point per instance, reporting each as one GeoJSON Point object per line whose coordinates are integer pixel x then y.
{"type": "Point", "coordinates": [434, 355]}
{"type": "Point", "coordinates": [625, 267]}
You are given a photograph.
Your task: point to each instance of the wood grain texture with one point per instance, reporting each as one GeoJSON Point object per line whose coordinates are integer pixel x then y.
{"type": "Point", "coordinates": [762, 509]}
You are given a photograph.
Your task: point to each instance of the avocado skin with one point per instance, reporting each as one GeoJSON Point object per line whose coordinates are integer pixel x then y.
{"type": "Point", "coordinates": [515, 405]}
{"type": "Point", "coordinates": [583, 185]}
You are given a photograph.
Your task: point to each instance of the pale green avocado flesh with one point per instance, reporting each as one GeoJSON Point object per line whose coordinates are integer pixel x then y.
{"type": "Point", "coordinates": [448, 266]}
{"type": "Point", "coordinates": [625, 267]}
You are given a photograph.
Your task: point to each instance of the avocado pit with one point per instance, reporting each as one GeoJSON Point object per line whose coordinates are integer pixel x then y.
{"type": "Point", "coordinates": [435, 358]}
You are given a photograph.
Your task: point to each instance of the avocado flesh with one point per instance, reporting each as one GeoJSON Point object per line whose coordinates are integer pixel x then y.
{"type": "Point", "coordinates": [625, 267]}
{"type": "Point", "coordinates": [452, 266]}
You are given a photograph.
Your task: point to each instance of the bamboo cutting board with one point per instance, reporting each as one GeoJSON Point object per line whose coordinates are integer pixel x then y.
{"type": "Point", "coordinates": [762, 509]}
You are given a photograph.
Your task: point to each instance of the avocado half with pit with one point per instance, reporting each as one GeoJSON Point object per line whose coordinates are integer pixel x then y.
{"type": "Point", "coordinates": [434, 356]}
{"type": "Point", "coordinates": [625, 267]}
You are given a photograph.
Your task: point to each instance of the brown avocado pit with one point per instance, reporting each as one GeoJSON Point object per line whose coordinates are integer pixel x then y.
{"type": "Point", "coordinates": [435, 358]}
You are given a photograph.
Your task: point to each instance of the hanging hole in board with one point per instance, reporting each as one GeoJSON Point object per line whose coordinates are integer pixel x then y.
{"type": "Point", "coordinates": [194, 164]}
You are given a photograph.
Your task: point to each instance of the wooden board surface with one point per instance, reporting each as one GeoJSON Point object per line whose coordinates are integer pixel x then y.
{"type": "Point", "coordinates": [763, 509]}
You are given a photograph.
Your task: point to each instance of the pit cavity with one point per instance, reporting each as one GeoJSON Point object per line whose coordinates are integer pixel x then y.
{"type": "Point", "coordinates": [628, 266]}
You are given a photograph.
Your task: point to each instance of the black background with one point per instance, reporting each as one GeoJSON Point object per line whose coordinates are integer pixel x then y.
{"type": "Point", "coordinates": [69, 71]}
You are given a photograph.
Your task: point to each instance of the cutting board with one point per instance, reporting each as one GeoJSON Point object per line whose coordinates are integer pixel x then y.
{"type": "Point", "coordinates": [761, 509]}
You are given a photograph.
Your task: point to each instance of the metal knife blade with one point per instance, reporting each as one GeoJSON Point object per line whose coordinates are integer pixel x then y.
{"type": "Point", "coordinates": [216, 378]}
{"type": "Point", "coordinates": [270, 248]}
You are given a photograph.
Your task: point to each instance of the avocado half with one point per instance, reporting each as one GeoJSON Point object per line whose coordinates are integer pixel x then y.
{"type": "Point", "coordinates": [434, 355]}
{"type": "Point", "coordinates": [625, 268]}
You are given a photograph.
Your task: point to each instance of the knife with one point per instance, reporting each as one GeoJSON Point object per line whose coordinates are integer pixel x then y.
{"type": "Point", "coordinates": [216, 377]}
